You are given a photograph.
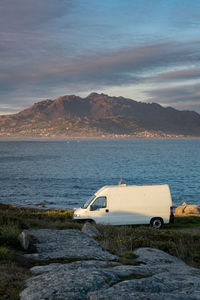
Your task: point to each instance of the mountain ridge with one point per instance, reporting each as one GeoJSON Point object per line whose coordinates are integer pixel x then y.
{"type": "Point", "coordinates": [99, 115]}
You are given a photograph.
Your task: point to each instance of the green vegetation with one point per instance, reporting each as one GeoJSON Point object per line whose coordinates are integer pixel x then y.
{"type": "Point", "coordinates": [24, 218]}
{"type": "Point", "coordinates": [5, 253]}
{"type": "Point", "coordinates": [184, 222]}
{"type": "Point", "coordinates": [182, 239]}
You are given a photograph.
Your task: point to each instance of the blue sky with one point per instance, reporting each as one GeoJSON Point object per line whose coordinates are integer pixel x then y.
{"type": "Point", "coordinates": [147, 50]}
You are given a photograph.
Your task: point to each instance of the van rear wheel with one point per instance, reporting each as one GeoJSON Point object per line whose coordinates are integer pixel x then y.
{"type": "Point", "coordinates": [156, 223]}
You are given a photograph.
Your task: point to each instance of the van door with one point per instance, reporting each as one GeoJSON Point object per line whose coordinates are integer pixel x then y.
{"type": "Point", "coordinates": [99, 210]}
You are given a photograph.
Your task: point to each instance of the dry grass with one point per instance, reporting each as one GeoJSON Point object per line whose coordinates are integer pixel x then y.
{"type": "Point", "coordinates": [121, 240]}
{"type": "Point", "coordinates": [12, 278]}
{"type": "Point", "coordinates": [22, 216]}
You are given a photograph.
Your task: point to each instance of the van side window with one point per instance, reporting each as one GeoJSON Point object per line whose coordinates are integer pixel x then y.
{"type": "Point", "coordinates": [100, 202]}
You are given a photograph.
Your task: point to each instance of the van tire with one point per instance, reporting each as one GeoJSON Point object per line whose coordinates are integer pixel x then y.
{"type": "Point", "coordinates": [156, 223]}
{"type": "Point", "coordinates": [89, 221]}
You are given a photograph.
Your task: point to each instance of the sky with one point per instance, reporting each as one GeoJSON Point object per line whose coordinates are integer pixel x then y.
{"type": "Point", "coordinates": [146, 50]}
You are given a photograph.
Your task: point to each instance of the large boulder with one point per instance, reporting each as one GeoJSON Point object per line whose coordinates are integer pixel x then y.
{"type": "Point", "coordinates": [68, 281]}
{"type": "Point", "coordinates": [70, 243]}
{"type": "Point", "coordinates": [187, 210]}
{"type": "Point", "coordinates": [23, 238]}
{"type": "Point", "coordinates": [90, 230]}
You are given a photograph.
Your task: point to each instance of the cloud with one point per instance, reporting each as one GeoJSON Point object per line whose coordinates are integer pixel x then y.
{"type": "Point", "coordinates": [122, 67]}
{"type": "Point", "coordinates": [175, 76]}
{"type": "Point", "coordinates": [26, 28]}
{"type": "Point", "coordinates": [46, 78]}
{"type": "Point", "coordinates": [27, 15]}
{"type": "Point", "coordinates": [182, 96]}
{"type": "Point", "coordinates": [186, 14]}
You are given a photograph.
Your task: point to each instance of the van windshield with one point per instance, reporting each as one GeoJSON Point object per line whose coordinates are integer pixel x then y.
{"type": "Point", "coordinates": [88, 202]}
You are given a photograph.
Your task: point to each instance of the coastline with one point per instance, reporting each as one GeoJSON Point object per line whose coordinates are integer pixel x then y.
{"type": "Point", "coordinates": [104, 137]}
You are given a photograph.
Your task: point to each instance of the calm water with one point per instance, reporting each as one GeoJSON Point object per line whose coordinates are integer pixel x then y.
{"type": "Point", "coordinates": [65, 173]}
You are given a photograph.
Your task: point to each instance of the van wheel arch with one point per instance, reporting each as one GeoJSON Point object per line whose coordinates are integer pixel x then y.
{"type": "Point", "coordinates": [84, 221]}
{"type": "Point", "coordinates": [91, 221]}
{"type": "Point", "coordinates": [156, 223]}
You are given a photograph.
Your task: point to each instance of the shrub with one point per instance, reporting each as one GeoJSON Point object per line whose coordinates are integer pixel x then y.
{"type": "Point", "coordinates": [5, 253]}
{"type": "Point", "coordinates": [9, 235]}
{"type": "Point", "coordinates": [26, 217]}
{"type": "Point", "coordinates": [12, 278]}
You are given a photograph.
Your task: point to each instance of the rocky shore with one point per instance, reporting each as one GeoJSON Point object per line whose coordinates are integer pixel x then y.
{"type": "Point", "coordinates": [45, 255]}
{"type": "Point", "coordinates": [94, 273]}
{"type": "Point", "coordinates": [186, 210]}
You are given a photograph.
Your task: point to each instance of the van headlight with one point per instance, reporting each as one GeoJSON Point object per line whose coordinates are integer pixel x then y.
{"type": "Point", "coordinates": [76, 215]}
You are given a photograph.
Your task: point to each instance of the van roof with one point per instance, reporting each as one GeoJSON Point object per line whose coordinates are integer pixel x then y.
{"type": "Point", "coordinates": [125, 185]}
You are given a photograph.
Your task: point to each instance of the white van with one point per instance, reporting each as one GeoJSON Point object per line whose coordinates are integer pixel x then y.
{"type": "Point", "coordinates": [128, 204]}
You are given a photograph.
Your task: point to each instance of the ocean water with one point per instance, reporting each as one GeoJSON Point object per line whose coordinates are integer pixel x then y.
{"type": "Point", "coordinates": [65, 173]}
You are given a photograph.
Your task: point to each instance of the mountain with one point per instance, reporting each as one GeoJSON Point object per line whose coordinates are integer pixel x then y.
{"type": "Point", "coordinates": [99, 115]}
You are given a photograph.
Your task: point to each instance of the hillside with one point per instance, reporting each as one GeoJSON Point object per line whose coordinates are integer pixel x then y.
{"type": "Point", "coordinates": [99, 115]}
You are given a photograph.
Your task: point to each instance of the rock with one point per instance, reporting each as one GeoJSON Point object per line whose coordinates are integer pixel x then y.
{"type": "Point", "coordinates": [187, 210]}
{"type": "Point", "coordinates": [192, 210]}
{"type": "Point", "coordinates": [69, 281]}
{"type": "Point", "coordinates": [170, 279]}
{"type": "Point", "coordinates": [161, 276]}
{"type": "Point", "coordinates": [179, 211]}
{"type": "Point", "coordinates": [69, 243]}
{"type": "Point", "coordinates": [27, 240]}
{"type": "Point", "coordinates": [127, 290]}
{"type": "Point", "coordinates": [151, 256]}
{"type": "Point", "coordinates": [90, 230]}
{"type": "Point", "coordinates": [24, 240]}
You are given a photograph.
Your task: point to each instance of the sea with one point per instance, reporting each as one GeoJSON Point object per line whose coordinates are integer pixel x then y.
{"type": "Point", "coordinates": [63, 174]}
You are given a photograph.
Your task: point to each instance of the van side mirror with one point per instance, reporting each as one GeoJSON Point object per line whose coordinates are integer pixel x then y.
{"type": "Point", "coordinates": [91, 208]}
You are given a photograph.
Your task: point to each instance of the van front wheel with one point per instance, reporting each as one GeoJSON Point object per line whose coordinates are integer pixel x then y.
{"type": "Point", "coordinates": [156, 223]}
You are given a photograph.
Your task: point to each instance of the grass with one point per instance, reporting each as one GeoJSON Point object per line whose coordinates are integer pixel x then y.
{"type": "Point", "coordinates": [184, 222]}
{"type": "Point", "coordinates": [182, 239]}
{"type": "Point", "coordinates": [25, 218]}
{"type": "Point", "coordinates": [12, 277]}
{"type": "Point", "coordinates": [5, 253]}
{"type": "Point", "coordinates": [122, 240]}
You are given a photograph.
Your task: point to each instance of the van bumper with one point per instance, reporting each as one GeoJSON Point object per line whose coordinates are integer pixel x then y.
{"type": "Point", "coordinates": [171, 219]}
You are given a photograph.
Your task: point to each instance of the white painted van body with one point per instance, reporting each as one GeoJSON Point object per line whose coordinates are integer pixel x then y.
{"type": "Point", "coordinates": [127, 204]}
